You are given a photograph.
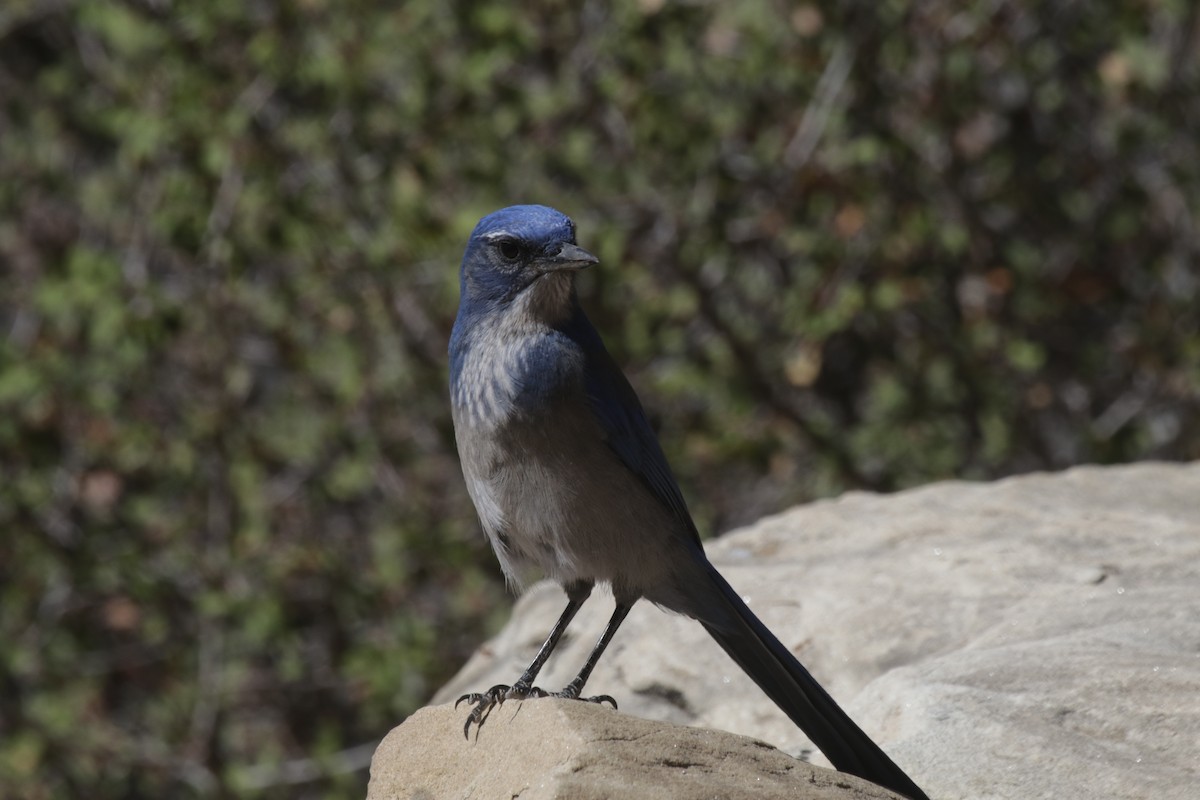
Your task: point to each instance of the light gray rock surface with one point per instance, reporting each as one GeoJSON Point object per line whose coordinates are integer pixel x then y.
{"type": "Point", "coordinates": [563, 750]}
{"type": "Point", "coordinates": [1035, 637]}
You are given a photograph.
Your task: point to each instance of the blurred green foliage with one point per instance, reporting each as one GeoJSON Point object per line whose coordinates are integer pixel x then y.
{"type": "Point", "coordinates": [845, 245]}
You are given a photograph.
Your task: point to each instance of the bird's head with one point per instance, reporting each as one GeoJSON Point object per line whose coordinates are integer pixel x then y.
{"type": "Point", "coordinates": [523, 254]}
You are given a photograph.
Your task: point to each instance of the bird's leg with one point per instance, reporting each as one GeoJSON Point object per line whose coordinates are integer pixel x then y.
{"type": "Point", "coordinates": [484, 702]}
{"type": "Point", "coordinates": [573, 688]}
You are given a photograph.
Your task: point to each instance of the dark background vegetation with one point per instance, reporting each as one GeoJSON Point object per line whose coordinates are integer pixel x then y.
{"type": "Point", "coordinates": [844, 246]}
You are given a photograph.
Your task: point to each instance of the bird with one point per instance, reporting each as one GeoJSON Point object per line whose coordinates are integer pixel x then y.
{"type": "Point", "coordinates": [568, 479]}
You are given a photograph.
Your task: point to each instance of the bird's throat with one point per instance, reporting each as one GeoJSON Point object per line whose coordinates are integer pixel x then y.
{"type": "Point", "coordinates": [550, 297]}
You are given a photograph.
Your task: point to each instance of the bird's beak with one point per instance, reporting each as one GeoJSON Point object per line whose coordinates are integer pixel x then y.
{"type": "Point", "coordinates": [569, 257]}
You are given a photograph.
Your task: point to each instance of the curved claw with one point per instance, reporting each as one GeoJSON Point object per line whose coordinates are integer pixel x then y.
{"type": "Point", "coordinates": [603, 698]}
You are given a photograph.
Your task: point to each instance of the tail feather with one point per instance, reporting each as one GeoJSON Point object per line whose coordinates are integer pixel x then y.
{"type": "Point", "coordinates": [785, 680]}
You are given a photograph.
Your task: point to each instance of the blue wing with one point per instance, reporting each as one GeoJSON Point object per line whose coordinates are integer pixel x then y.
{"type": "Point", "coordinates": [623, 422]}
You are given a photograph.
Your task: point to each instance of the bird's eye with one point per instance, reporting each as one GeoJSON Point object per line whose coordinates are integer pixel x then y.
{"type": "Point", "coordinates": [509, 249]}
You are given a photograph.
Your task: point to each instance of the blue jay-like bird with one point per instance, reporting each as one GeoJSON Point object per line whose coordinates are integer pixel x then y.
{"type": "Point", "coordinates": [568, 477]}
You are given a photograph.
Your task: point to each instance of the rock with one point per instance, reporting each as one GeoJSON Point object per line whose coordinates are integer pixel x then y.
{"type": "Point", "coordinates": [554, 749]}
{"type": "Point", "coordinates": [1034, 637]}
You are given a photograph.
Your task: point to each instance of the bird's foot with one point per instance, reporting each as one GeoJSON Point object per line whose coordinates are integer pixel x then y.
{"type": "Point", "coordinates": [486, 702]}
{"type": "Point", "coordinates": [571, 692]}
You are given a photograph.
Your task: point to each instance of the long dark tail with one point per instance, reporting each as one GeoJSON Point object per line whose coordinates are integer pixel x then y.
{"type": "Point", "coordinates": [785, 680]}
